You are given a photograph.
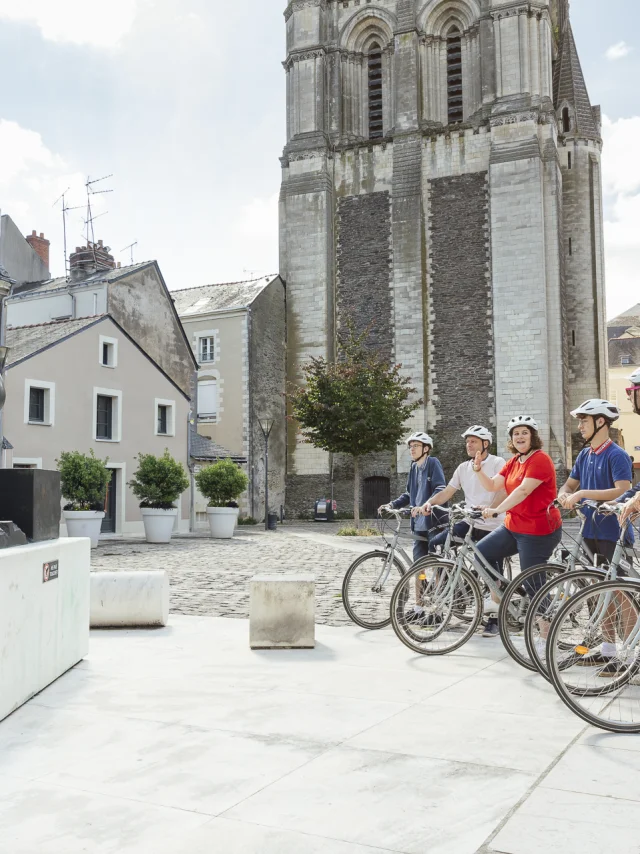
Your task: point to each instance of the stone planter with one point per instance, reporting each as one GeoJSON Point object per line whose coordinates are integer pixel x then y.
{"type": "Point", "coordinates": [222, 521]}
{"type": "Point", "coordinates": [84, 523]}
{"type": "Point", "coordinates": [158, 524]}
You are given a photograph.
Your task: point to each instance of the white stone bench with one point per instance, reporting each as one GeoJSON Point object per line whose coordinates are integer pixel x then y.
{"type": "Point", "coordinates": [282, 612]}
{"type": "Point", "coordinates": [131, 599]}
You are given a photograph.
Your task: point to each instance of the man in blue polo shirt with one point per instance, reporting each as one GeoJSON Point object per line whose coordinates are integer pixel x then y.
{"type": "Point", "coordinates": [602, 472]}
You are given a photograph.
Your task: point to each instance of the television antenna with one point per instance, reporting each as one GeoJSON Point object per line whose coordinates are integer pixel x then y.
{"type": "Point", "coordinates": [130, 246]}
{"type": "Point", "coordinates": [65, 208]}
{"type": "Point", "coordinates": [91, 241]}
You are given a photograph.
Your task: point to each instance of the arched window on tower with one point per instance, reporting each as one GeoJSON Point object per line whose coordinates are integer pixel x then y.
{"type": "Point", "coordinates": [454, 76]}
{"type": "Point", "coordinates": [566, 120]}
{"type": "Point", "coordinates": [375, 91]}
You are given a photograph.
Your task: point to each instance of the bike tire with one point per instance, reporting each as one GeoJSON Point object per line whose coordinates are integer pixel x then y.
{"type": "Point", "coordinates": [513, 610]}
{"type": "Point", "coordinates": [600, 714]}
{"type": "Point", "coordinates": [539, 611]}
{"type": "Point", "coordinates": [360, 607]}
{"type": "Point", "coordinates": [451, 632]}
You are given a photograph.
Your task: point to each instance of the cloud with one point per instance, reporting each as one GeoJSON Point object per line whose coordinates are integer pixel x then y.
{"type": "Point", "coordinates": [74, 21]}
{"type": "Point", "coordinates": [621, 182]}
{"type": "Point", "coordinates": [618, 51]}
{"type": "Point", "coordinates": [31, 179]}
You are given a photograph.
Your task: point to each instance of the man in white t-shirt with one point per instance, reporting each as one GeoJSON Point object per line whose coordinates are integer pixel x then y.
{"type": "Point", "coordinates": [477, 439]}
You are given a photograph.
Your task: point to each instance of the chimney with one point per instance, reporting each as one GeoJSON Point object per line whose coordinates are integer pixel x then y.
{"type": "Point", "coordinates": [90, 259]}
{"type": "Point", "coordinates": [40, 245]}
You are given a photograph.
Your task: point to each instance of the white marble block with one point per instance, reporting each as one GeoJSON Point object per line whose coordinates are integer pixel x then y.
{"type": "Point", "coordinates": [44, 616]}
{"type": "Point", "coordinates": [282, 612]}
{"type": "Point", "coordinates": [129, 599]}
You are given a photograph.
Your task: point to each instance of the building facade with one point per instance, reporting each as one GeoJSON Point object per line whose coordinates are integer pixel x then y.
{"type": "Point", "coordinates": [441, 187]}
{"type": "Point", "coordinates": [85, 384]}
{"type": "Point", "coordinates": [238, 336]}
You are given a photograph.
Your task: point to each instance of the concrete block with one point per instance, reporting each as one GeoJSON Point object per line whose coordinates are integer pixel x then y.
{"type": "Point", "coordinates": [282, 612]}
{"type": "Point", "coordinates": [133, 599]}
{"type": "Point", "coordinates": [44, 616]}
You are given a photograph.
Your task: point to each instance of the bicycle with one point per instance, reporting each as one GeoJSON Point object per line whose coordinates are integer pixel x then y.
{"type": "Point", "coordinates": [604, 692]}
{"type": "Point", "coordinates": [369, 581]}
{"type": "Point", "coordinates": [438, 604]}
{"type": "Point", "coordinates": [546, 604]}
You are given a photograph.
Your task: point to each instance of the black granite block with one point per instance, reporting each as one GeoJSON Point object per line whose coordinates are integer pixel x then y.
{"type": "Point", "coordinates": [14, 536]}
{"type": "Point", "coordinates": [31, 499]}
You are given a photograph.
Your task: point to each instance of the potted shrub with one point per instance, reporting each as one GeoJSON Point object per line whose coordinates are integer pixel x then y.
{"type": "Point", "coordinates": [221, 483]}
{"type": "Point", "coordinates": [83, 480]}
{"type": "Point", "coordinates": [158, 483]}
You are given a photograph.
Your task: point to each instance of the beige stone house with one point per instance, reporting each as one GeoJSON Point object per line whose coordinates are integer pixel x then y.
{"type": "Point", "coordinates": [624, 359]}
{"type": "Point", "coordinates": [237, 334]}
{"type": "Point", "coordinates": [86, 384]}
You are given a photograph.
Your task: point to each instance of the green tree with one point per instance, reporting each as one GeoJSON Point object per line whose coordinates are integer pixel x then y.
{"type": "Point", "coordinates": [357, 405]}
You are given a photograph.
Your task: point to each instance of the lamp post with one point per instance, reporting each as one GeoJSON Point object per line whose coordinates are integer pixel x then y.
{"type": "Point", "coordinates": [266, 425]}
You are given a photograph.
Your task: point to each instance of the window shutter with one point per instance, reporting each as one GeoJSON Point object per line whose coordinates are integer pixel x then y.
{"type": "Point", "coordinates": [207, 398]}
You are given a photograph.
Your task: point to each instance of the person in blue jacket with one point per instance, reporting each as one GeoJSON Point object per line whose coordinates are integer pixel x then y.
{"type": "Point", "coordinates": [426, 477]}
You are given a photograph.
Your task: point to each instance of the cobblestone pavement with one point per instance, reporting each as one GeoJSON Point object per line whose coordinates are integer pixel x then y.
{"type": "Point", "coordinates": [211, 577]}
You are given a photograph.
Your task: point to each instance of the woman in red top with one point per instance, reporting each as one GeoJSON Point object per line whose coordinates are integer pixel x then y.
{"type": "Point", "coordinates": [533, 526]}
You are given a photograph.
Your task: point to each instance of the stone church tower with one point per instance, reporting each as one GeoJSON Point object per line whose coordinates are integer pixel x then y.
{"type": "Point", "coordinates": [441, 185]}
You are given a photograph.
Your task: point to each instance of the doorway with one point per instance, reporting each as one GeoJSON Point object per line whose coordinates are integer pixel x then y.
{"type": "Point", "coordinates": [110, 505]}
{"type": "Point", "coordinates": [377, 491]}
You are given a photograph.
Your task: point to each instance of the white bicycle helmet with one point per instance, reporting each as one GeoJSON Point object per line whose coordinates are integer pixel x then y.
{"type": "Point", "coordinates": [521, 421]}
{"type": "Point", "coordinates": [596, 407]}
{"type": "Point", "coordinates": [425, 438]}
{"type": "Point", "coordinates": [479, 432]}
{"type": "Point", "coordinates": [634, 379]}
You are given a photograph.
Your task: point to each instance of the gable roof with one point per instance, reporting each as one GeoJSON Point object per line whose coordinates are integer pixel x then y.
{"type": "Point", "coordinates": [25, 341]}
{"type": "Point", "coordinates": [203, 448]}
{"type": "Point", "coordinates": [225, 296]}
{"type": "Point", "coordinates": [63, 282]}
{"type": "Point", "coordinates": [569, 85]}
{"type": "Point", "coordinates": [626, 317]}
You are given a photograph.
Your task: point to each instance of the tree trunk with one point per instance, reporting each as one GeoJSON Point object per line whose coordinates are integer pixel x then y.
{"type": "Point", "coordinates": [356, 491]}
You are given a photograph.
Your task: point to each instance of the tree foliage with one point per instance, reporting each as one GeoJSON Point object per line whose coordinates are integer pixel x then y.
{"type": "Point", "coordinates": [158, 481]}
{"type": "Point", "coordinates": [357, 405]}
{"type": "Point", "coordinates": [221, 482]}
{"type": "Point", "coordinates": [84, 480]}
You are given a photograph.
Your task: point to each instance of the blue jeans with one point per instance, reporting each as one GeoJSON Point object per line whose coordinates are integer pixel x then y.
{"type": "Point", "coordinates": [530, 548]}
{"type": "Point", "coordinates": [421, 546]}
{"type": "Point", "coordinates": [459, 530]}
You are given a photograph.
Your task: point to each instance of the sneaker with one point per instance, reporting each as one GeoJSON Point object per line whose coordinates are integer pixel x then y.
{"type": "Point", "coordinates": [414, 615]}
{"type": "Point", "coordinates": [613, 667]}
{"type": "Point", "coordinates": [541, 649]}
{"type": "Point", "coordinates": [593, 660]}
{"type": "Point", "coordinates": [491, 630]}
{"type": "Point", "coordinates": [490, 607]}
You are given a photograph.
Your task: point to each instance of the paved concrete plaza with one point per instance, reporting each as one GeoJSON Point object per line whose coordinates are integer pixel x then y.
{"type": "Point", "coordinates": [210, 577]}
{"type": "Point", "coordinates": [183, 740]}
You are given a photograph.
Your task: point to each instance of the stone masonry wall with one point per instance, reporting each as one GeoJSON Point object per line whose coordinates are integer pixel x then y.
{"type": "Point", "coordinates": [363, 268]}
{"type": "Point", "coordinates": [460, 302]}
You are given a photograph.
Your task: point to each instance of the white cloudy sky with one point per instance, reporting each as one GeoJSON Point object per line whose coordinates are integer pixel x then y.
{"type": "Point", "coordinates": [183, 102]}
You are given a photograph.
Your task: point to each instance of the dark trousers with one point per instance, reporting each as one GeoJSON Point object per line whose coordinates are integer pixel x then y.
{"type": "Point", "coordinates": [421, 546]}
{"type": "Point", "coordinates": [604, 548]}
{"type": "Point", "coordinates": [531, 550]}
{"type": "Point", "coordinates": [460, 530]}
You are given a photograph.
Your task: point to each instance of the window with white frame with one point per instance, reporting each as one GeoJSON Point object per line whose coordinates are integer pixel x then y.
{"type": "Point", "coordinates": [107, 415]}
{"type": "Point", "coordinates": [165, 418]}
{"type": "Point", "coordinates": [108, 352]}
{"type": "Point", "coordinates": [39, 402]}
{"type": "Point", "coordinates": [208, 400]}
{"type": "Point", "coordinates": [206, 348]}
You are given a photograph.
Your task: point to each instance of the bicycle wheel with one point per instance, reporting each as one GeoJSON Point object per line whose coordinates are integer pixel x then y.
{"type": "Point", "coordinates": [544, 608]}
{"type": "Point", "coordinates": [367, 588]}
{"type": "Point", "coordinates": [436, 608]}
{"type": "Point", "coordinates": [515, 604]}
{"type": "Point", "coordinates": [604, 692]}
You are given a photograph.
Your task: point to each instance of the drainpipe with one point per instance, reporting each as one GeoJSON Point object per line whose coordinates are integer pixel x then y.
{"type": "Point", "coordinates": [190, 464]}
{"type": "Point", "coordinates": [5, 292]}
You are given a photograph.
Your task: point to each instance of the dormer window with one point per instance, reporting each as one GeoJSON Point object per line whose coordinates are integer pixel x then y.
{"type": "Point", "coordinates": [566, 120]}
{"type": "Point", "coordinates": [454, 76]}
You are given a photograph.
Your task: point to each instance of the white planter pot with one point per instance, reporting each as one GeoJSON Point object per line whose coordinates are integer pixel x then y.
{"type": "Point", "coordinates": [84, 523]}
{"type": "Point", "coordinates": [158, 524]}
{"type": "Point", "coordinates": [222, 521]}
